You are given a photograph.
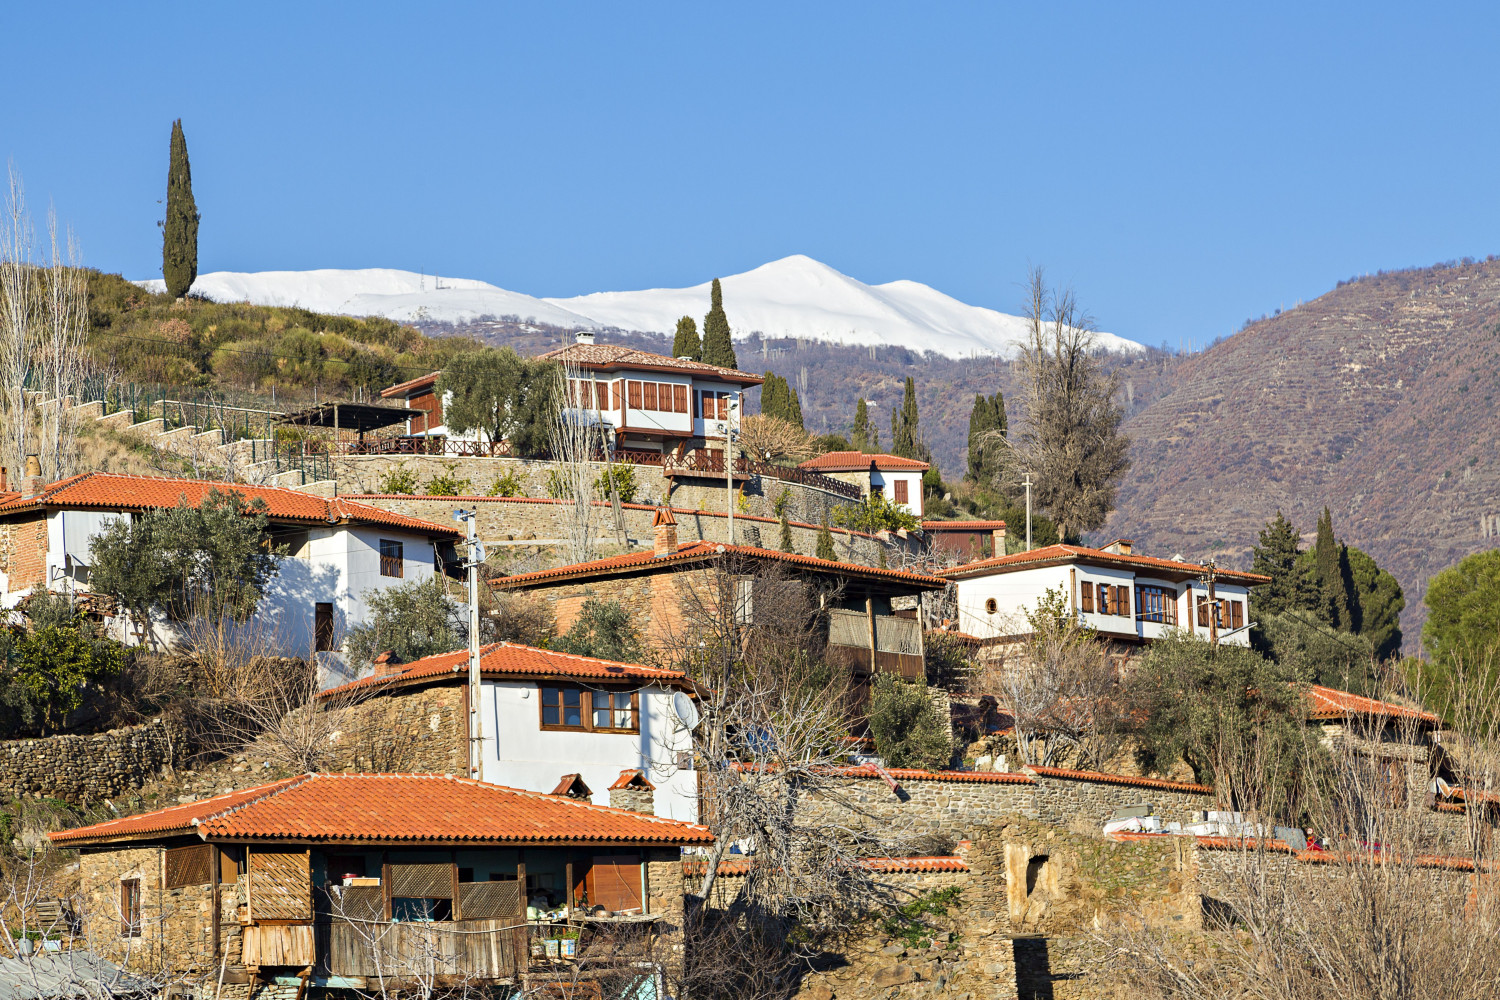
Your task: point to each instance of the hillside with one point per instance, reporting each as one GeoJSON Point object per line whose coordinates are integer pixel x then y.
{"type": "Point", "coordinates": [792, 298]}
{"type": "Point", "coordinates": [1377, 399]}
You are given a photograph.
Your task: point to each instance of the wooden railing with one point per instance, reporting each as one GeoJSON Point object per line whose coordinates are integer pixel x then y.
{"type": "Point", "coordinates": [479, 949]}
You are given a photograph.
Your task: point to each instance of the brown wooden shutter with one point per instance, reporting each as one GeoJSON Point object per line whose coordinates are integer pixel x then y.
{"type": "Point", "coordinates": [649, 391]}
{"type": "Point", "coordinates": [188, 865]}
{"type": "Point", "coordinates": [901, 491]}
{"type": "Point", "coordinates": [1086, 595]}
{"type": "Point", "coordinates": [633, 390]}
{"type": "Point", "coordinates": [679, 398]}
{"type": "Point", "coordinates": [280, 885]}
{"type": "Point", "coordinates": [1122, 601]}
{"type": "Point", "coordinates": [723, 406]}
{"type": "Point", "coordinates": [614, 882]}
{"type": "Point", "coordinates": [1237, 612]}
{"type": "Point", "coordinates": [130, 907]}
{"type": "Point", "coordinates": [1202, 612]}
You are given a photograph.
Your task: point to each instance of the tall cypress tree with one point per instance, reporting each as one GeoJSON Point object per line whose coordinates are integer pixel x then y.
{"type": "Point", "coordinates": [825, 542]}
{"type": "Point", "coordinates": [179, 238]}
{"type": "Point", "coordinates": [860, 437]}
{"type": "Point", "coordinates": [985, 421]}
{"type": "Point", "coordinates": [904, 438]}
{"type": "Point", "coordinates": [718, 349]}
{"type": "Point", "coordinates": [1331, 568]}
{"type": "Point", "coordinates": [793, 407]}
{"type": "Point", "coordinates": [786, 534]}
{"type": "Point", "coordinates": [687, 343]}
{"type": "Point", "coordinates": [772, 396]}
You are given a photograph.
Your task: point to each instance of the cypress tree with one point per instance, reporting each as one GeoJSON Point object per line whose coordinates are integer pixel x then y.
{"type": "Point", "coordinates": [860, 437]}
{"type": "Point", "coordinates": [825, 542]}
{"type": "Point", "coordinates": [687, 344]}
{"type": "Point", "coordinates": [793, 407]}
{"type": "Point", "coordinates": [985, 421]}
{"type": "Point", "coordinates": [179, 238]}
{"type": "Point", "coordinates": [904, 439]}
{"type": "Point", "coordinates": [772, 403]}
{"type": "Point", "coordinates": [718, 349]}
{"type": "Point", "coordinates": [786, 534]}
{"type": "Point", "coordinates": [1331, 567]}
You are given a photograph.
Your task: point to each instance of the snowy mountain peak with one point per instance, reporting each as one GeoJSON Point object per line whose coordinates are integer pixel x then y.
{"type": "Point", "coordinates": [794, 296]}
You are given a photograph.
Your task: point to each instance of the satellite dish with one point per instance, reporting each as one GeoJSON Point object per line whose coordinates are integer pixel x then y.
{"type": "Point", "coordinates": [686, 709]}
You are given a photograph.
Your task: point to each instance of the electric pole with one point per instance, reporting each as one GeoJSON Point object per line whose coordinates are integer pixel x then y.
{"type": "Point", "coordinates": [1027, 484]}
{"type": "Point", "coordinates": [472, 563]}
{"type": "Point", "coordinates": [729, 462]}
{"type": "Point", "coordinates": [1213, 606]}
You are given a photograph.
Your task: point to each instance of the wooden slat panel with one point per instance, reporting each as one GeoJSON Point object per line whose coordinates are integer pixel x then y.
{"type": "Point", "coordinates": [357, 902]}
{"type": "Point", "coordinates": [188, 865]}
{"type": "Point", "coordinates": [280, 885]}
{"type": "Point", "coordinates": [483, 948]}
{"type": "Point", "coordinates": [422, 881]}
{"type": "Point", "coordinates": [489, 900]}
{"type": "Point", "coordinates": [614, 881]}
{"type": "Point", "coordinates": [279, 944]}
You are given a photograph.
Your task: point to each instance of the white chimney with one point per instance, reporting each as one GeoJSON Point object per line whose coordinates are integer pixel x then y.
{"type": "Point", "coordinates": [586, 337]}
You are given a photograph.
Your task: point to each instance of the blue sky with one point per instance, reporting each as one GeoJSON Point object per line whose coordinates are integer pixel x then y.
{"type": "Point", "coordinates": [1183, 167]}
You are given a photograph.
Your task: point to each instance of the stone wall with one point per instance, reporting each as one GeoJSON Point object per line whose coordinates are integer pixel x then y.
{"type": "Point", "coordinates": [408, 730]}
{"type": "Point", "coordinates": [1086, 802]}
{"type": "Point", "coordinates": [87, 769]}
{"type": "Point", "coordinates": [23, 551]}
{"type": "Point", "coordinates": [513, 519]}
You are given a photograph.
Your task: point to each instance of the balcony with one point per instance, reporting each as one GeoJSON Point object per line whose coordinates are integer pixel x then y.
{"type": "Point", "coordinates": [897, 646]}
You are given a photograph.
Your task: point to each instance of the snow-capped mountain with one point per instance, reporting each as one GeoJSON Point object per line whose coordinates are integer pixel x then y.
{"type": "Point", "coordinates": [792, 297]}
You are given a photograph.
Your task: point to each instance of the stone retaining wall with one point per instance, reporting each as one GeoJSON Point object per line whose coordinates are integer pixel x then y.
{"type": "Point", "coordinates": [87, 769]}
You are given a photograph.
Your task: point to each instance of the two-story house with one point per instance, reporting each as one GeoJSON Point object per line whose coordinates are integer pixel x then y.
{"type": "Point", "coordinates": [548, 721]}
{"type": "Point", "coordinates": [898, 479]}
{"type": "Point", "coordinates": [337, 552]}
{"type": "Point", "coordinates": [1126, 597]}
{"type": "Point", "coordinates": [647, 402]}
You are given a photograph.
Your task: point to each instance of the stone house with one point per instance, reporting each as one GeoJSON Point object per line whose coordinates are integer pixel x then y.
{"type": "Point", "coordinates": [543, 717]}
{"type": "Point", "coordinates": [871, 612]}
{"type": "Point", "coordinates": [898, 479]}
{"type": "Point", "coordinates": [338, 551]}
{"type": "Point", "coordinates": [344, 880]}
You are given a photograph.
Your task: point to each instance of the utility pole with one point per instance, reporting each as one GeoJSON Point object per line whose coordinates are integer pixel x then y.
{"type": "Point", "coordinates": [734, 407]}
{"type": "Point", "coordinates": [1027, 484]}
{"type": "Point", "coordinates": [476, 719]}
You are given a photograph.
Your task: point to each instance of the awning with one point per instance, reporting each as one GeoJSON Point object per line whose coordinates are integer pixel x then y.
{"type": "Point", "coordinates": [359, 417]}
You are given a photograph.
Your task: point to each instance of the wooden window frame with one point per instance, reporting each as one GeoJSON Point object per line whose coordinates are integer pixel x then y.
{"type": "Point", "coordinates": [900, 491]}
{"type": "Point", "coordinates": [991, 605]}
{"type": "Point", "coordinates": [1165, 613]}
{"type": "Point", "coordinates": [586, 713]}
{"type": "Point", "coordinates": [633, 394]}
{"type": "Point", "coordinates": [131, 919]}
{"type": "Point", "coordinates": [679, 398]}
{"type": "Point", "coordinates": [1086, 598]}
{"type": "Point", "coordinates": [649, 396]}
{"type": "Point", "coordinates": [392, 565]}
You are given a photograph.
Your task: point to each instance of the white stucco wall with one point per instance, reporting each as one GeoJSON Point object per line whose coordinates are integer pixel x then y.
{"type": "Point", "coordinates": [1014, 594]}
{"type": "Point", "coordinates": [887, 479]}
{"type": "Point", "coordinates": [519, 753]}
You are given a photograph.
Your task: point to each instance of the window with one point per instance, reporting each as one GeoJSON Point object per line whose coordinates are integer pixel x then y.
{"type": "Point", "coordinates": [391, 563]}
{"type": "Point", "coordinates": [130, 907]}
{"type": "Point", "coordinates": [1202, 612]}
{"type": "Point", "coordinates": [1393, 778]}
{"type": "Point", "coordinates": [633, 390]}
{"type": "Point", "coordinates": [649, 389]}
{"type": "Point", "coordinates": [188, 865]}
{"type": "Point", "coordinates": [744, 601]}
{"type": "Point", "coordinates": [679, 399]}
{"type": "Point", "coordinates": [1104, 605]}
{"type": "Point", "coordinates": [990, 606]}
{"type": "Point", "coordinates": [1086, 594]}
{"type": "Point", "coordinates": [1122, 601]}
{"type": "Point", "coordinates": [1156, 604]}
{"type": "Point", "coordinates": [617, 393]}
{"type": "Point", "coordinates": [900, 487]}
{"type": "Point", "coordinates": [590, 711]}
{"type": "Point", "coordinates": [323, 626]}
{"type": "Point", "coordinates": [715, 405]}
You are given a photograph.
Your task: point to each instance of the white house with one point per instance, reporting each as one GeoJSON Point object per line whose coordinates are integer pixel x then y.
{"type": "Point", "coordinates": [1124, 596]}
{"type": "Point", "coordinates": [555, 722]}
{"type": "Point", "coordinates": [899, 479]}
{"type": "Point", "coordinates": [648, 402]}
{"type": "Point", "coordinates": [337, 552]}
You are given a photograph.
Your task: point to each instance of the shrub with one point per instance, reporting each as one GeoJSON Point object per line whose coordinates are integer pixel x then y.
{"type": "Point", "coordinates": [876, 513]}
{"type": "Point", "coordinates": [523, 618]}
{"type": "Point", "coordinates": [398, 479]}
{"type": "Point", "coordinates": [624, 480]}
{"type": "Point", "coordinates": [508, 485]}
{"type": "Point", "coordinates": [603, 630]}
{"type": "Point", "coordinates": [905, 724]}
{"type": "Point", "coordinates": [448, 484]}
{"type": "Point", "coordinates": [413, 620]}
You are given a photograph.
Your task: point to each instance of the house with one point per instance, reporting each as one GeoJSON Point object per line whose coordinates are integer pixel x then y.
{"type": "Point", "coordinates": [544, 715]}
{"type": "Point", "coordinates": [339, 880]}
{"type": "Point", "coordinates": [964, 541]}
{"type": "Point", "coordinates": [898, 479]}
{"type": "Point", "coordinates": [871, 612]}
{"type": "Point", "coordinates": [647, 402]}
{"type": "Point", "coordinates": [337, 552]}
{"type": "Point", "coordinates": [1126, 597]}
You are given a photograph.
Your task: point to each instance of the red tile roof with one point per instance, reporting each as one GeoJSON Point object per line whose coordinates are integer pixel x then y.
{"type": "Point", "coordinates": [1160, 784]}
{"type": "Point", "coordinates": [513, 661]}
{"type": "Point", "coordinates": [392, 808]}
{"type": "Point", "coordinates": [109, 491]}
{"type": "Point", "coordinates": [962, 525]}
{"type": "Point", "coordinates": [1329, 703]}
{"type": "Point", "coordinates": [1059, 554]}
{"type": "Point", "coordinates": [612, 357]}
{"type": "Point", "coordinates": [420, 382]}
{"type": "Point", "coordinates": [690, 552]}
{"type": "Point", "coordinates": [632, 778]}
{"type": "Point", "coordinates": [858, 461]}
{"type": "Point", "coordinates": [740, 866]}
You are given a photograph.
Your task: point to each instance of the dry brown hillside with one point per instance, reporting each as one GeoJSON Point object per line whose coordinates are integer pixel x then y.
{"type": "Point", "coordinates": [1377, 399]}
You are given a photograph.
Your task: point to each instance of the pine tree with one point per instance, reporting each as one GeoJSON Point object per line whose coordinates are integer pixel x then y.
{"type": "Point", "coordinates": [687, 343]}
{"type": "Point", "coordinates": [986, 421]}
{"type": "Point", "coordinates": [904, 438]}
{"type": "Point", "coordinates": [1276, 556]}
{"type": "Point", "coordinates": [825, 542]}
{"type": "Point", "coordinates": [718, 349]}
{"type": "Point", "coordinates": [860, 437]}
{"type": "Point", "coordinates": [179, 240]}
{"type": "Point", "coordinates": [1331, 568]}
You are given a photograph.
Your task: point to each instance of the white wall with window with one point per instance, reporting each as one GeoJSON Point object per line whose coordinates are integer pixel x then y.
{"type": "Point", "coordinates": [902, 487]}
{"type": "Point", "coordinates": [535, 732]}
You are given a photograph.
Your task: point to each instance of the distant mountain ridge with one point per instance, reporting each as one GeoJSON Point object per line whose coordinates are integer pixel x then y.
{"type": "Point", "coordinates": [795, 297]}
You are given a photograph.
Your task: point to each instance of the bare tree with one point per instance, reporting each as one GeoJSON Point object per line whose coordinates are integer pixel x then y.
{"type": "Point", "coordinates": [1071, 441]}
{"type": "Point", "coordinates": [18, 321]}
{"type": "Point", "coordinates": [63, 360]}
{"type": "Point", "coordinates": [574, 438]}
{"type": "Point", "coordinates": [770, 438]}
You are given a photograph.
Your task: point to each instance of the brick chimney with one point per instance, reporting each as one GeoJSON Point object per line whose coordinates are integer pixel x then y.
{"type": "Point", "coordinates": [632, 791]}
{"type": "Point", "coordinates": [32, 482]}
{"type": "Point", "coordinates": [665, 526]}
{"type": "Point", "coordinates": [997, 538]}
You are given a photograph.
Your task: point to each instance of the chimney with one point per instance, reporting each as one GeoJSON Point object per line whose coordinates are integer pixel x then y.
{"type": "Point", "coordinates": [585, 337]}
{"type": "Point", "coordinates": [387, 664]}
{"type": "Point", "coordinates": [665, 526]}
{"type": "Point", "coordinates": [32, 483]}
{"type": "Point", "coordinates": [998, 539]}
{"type": "Point", "coordinates": [632, 791]}
{"type": "Point", "coordinates": [1120, 547]}
{"type": "Point", "coordinates": [2, 480]}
